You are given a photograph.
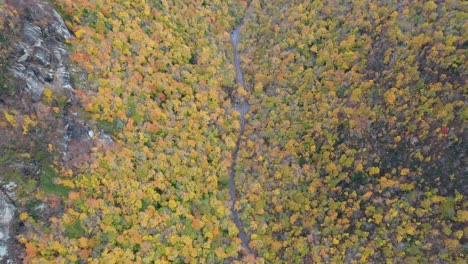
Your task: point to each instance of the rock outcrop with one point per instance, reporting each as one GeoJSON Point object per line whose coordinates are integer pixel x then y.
{"type": "Point", "coordinates": [41, 57]}
{"type": "Point", "coordinates": [36, 60]}
{"type": "Point", "coordinates": [7, 213]}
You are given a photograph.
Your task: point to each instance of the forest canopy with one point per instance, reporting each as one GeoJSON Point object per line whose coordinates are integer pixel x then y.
{"type": "Point", "coordinates": [354, 147]}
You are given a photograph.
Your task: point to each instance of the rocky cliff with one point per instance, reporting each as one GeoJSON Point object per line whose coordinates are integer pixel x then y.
{"type": "Point", "coordinates": [41, 133]}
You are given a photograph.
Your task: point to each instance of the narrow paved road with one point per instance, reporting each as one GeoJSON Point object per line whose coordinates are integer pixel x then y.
{"type": "Point", "coordinates": [235, 38]}
{"type": "Point", "coordinates": [242, 106]}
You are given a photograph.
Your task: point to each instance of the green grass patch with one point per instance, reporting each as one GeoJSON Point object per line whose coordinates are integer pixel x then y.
{"type": "Point", "coordinates": [75, 230]}
{"type": "Point", "coordinates": [47, 178]}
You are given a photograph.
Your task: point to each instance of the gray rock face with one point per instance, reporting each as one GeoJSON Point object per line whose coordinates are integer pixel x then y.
{"type": "Point", "coordinates": [39, 60]}
{"type": "Point", "coordinates": [7, 212]}
{"type": "Point", "coordinates": [41, 57]}
{"type": "Point", "coordinates": [31, 33]}
{"type": "Point", "coordinates": [59, 27]}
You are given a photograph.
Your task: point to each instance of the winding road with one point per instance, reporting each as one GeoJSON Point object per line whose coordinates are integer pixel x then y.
{"type": "Point", "coordinates": [242, 106]}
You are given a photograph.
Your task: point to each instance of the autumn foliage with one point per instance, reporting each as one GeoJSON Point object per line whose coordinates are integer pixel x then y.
{"type": "Point", "coordinates": [353, 151]}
